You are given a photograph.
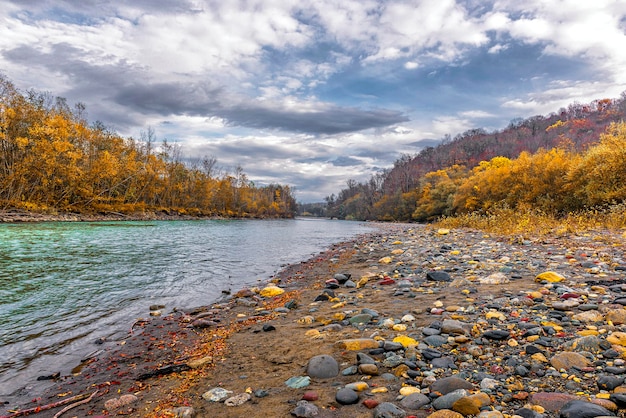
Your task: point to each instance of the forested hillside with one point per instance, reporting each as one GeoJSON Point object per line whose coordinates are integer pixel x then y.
{"type": "Point", "coordinates": [567, 161]}
{"type": "Point", "coordinates": [51, 159]}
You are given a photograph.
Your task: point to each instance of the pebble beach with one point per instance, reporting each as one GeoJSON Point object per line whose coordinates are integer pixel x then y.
{"type": "Point", "coordinates": [412, 321]}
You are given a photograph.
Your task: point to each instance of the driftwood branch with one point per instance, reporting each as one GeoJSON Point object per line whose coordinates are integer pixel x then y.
{"type": "Point", "coordinates": [36, 409]}
{"type": "Point", "coordinates": [74, 405]}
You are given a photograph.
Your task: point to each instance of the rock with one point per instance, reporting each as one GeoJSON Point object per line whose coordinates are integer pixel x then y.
{"type": "Point", "coordinates": [261, 393]}
{"type": "Point", "coordinates": [438, 276]}
{"type": "Point", "coordinates": [388, 410]}
{"type": "Point", "coordinates": [310, 395]}
{"type": "Point", "coordinates": [368, 369]}
{"type": "Point", "coordinates": [549, 276]}
{"type": "Point", "coordinates": [590, 343]}
{"type": "Point", "coordinates": [551, 401]}
{"type": "Point", "coordinates": [568, 360]}
{"type": "Point", "coordinates": [298, 382]}
{"type": "Point", "coordinates": [446, 385]}
{"type": "Point", "coordinates": [405, 341]}
{"type": "Point", "coordinates": [268, 327]}
{"type": "Point", "coordinates": [445, 413]}
{"type": "Point", "coordinates": [357, 386]}
{"type": "Point", "coordinates": [566, 305]}
{"type": "Point", "coordinates": [216, 395]}
{"type": "Point", "coordinates": [443, 363]}
{"type": "Point", "coordinates": [347, 396]}
{"type": "Point", "coordinates": [609, 383]}
{"type": "Point", "coordinates": [446, 401]}
{"type": "Point", "coordinates": [237, 400]}
{"type": "Point", "coordinates": [122, 401]}
{"type": "Point", "coordinates": [322, 367]}
{"type": "Point", "coordinates": [495, 278]}
{"type": "Point", "coordinates": [588, 316]}
{"type": "Point", "coordinates": [305, 409]}
{"type": "Point", "coordinates": [617, 338]}
{"type": "Point", "coordinates": [471, 405]}
{"type": "Point", "coordinates": [370, 403]}
{"type": "Point", "coordinates": [616, 316]}
{"type": "Point", "coordinates": [414, 401]}
{"type": "Point", "coordinates": [184, 412]}
{"type": "Point", "coordinates": [271, 291]}
{"type": "Point", "coordinates": [527, 413]}
{"type": "Point", "coordinates": [357, 344]}
{"type": "Point", "coordinates": [360, 319]}
{"type": "Point", "coordinates": [496, 334]}
{"type": "Point", "coordinates": [583, 409]}
{"type": "Point", "coordinates": [454, 327]}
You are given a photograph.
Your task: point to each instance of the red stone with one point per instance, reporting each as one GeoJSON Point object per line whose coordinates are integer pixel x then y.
{"type": "Point", "coordinates": [370, 403]}
{"type": "Point", "coordinates": [310, 395]}
{"type": "Point", "coordinates": [386, 281]}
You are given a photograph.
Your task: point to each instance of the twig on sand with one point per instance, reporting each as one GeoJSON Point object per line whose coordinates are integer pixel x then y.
{"type": "Point", "coordinates": [37, 409]}
{"type": "Point", "coordinates": [75, 404]}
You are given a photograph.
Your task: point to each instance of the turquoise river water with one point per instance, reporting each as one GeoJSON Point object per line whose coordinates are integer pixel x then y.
{"type": "Point", "coordinates": [65, 285]}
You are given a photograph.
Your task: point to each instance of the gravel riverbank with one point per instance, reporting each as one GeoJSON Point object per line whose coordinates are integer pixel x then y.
{"type": "Point", "coordinates": [411, 321]}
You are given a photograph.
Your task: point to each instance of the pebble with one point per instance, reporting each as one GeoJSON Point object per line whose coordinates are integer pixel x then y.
{"type": "Point", "coordinates": [388, 410]}
{"type": "Point", "coordinates": [346, 396]}
{"type": "Point", "coordinates": [298, 382]}
{"type": "Point", "coordinates": [237, 400]}
{"type": "Point", "coordinates": [217, 395]}
{"type": "Point", "coordinates": [414, 401]}
{"type": "Point", "coordinates": [305, 409]}
{"type": "Point", "coordinates": [583, 409]}
{"type": "Point", "coordinates": [322, 367]}
{"type": "Point", "coordinates": [470, 326]}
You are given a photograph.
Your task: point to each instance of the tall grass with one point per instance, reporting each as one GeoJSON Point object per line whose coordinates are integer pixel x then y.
{"type": "Point", "coordinates": [531, 222]}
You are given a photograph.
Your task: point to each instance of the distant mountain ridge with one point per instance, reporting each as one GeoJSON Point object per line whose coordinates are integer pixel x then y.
{"type": "Point", "coordinates": [386, 195]}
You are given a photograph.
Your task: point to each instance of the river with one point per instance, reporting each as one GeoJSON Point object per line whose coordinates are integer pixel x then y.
{"type": "Point", "coordinates": [65, 285]}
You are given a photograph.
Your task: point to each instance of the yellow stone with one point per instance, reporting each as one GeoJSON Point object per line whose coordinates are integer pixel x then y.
{"type": "Point", "coordinates": [357, 344]}
{"type": "Point", "coordinates": [399, 327]}
{"type": "Point", "coordinates": [397, 252]}
{"type": "Point", "coordinates": [539, 357]}
{"type": "Point", "coordinates": [380, 390]}
{"type": "Point", "coordinates": [306, 320]}
{"type": "Point", "coordinates": [532, 338]}
{"type": "Point", "coordinates": [404, 340]}
{"type": "Point", "coordinates": [512, 343]}
{"type": "Point", "coordinates": [587, 332]}
{"type": "Point", "coordinates": [438, 304]}
{"type": "Point", "coordinates": [362, 282]}
{"type": "Point", "coordinates": [360, 386]}
{"type": "Point", "coordinates": [339, 316]}
{"type": "Point", "coordinates": [385, 260]}
{"type": "Point", "coordinates": [495, 315]}
{"type": "Point", "coordinates": [443, 231]}
{"type": "Point", "coordinates": [408, 390]}
{"type": "Point", "coordinates": [618, 338]}
{"type": "Point", "coordinates": [271, 291]}
{"type": "Point", "coordinates": [549, 276]}
{"type": "Point", "coordinates": [603, 395]}
{"type": "Point", "coordinates": [397, 243]}
{"type": "Point", "coordinates": [455, 252]}
{"type": "Point", "coordinates": [339, 305]}
{"type": "Point", "coordinates": [240, 315]}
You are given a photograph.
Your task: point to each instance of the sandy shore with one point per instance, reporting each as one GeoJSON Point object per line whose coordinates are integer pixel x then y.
{"type": "Point", "coordinates": [498, 328]}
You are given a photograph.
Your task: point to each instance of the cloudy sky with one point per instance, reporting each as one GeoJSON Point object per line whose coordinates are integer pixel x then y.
{"type": "Point", "coordinates": [311, 93]}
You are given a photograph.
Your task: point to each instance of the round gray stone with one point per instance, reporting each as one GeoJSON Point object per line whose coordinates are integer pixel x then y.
{"type": "Point", "coordinates": [323, 367]}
